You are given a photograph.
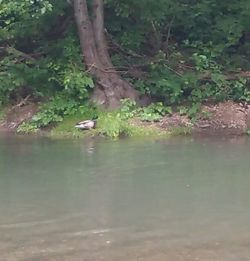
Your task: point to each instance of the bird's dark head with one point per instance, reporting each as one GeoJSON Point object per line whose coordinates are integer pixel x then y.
{"type": "Point", "coordinates": [95, 118]}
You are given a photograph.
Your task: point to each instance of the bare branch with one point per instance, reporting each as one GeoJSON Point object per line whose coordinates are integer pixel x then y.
{"type": "Point", "coordinates": [17, 53]}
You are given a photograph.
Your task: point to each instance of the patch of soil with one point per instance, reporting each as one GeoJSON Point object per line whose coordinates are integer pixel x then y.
{"type": "Point", "coordinates": [227, 118]}
{"type": "Point", "coordinates": [176, 120]}
{"type": "Point", "coordinates": [16, 115]}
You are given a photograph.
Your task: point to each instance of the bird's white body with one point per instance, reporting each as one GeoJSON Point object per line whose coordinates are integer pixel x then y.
{"type": "Point", "coordinates": [86, 125]}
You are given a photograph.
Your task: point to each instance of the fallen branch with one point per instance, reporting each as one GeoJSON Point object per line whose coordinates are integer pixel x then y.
{"type": "Point", "coordinates": [236, 76]}
{"type": "Point", "coordinates": [23, 102]}
{"type": "Point", "coordinates": [228, 77]}
{"type": "Point", "coordinates": [169, 32]}
{"type": "Point", "coordinates": [121, 49]}
{"type": "Point", "coordinates": [17, 53]}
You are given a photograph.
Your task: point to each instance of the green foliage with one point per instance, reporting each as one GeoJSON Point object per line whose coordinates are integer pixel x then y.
{"type": "Point", "coordinates": [60, 108]}
{"type": "Point", "coordinates": [207, 83]}
{"type": "Point", "coordinates": [35, 59]}
{"type": "Point", "coordinates": [113, 125]}
{"type": "Point", "coordinates": [207, 31]}
{"type": "Point", "coordinates": [44, 77]}
{"type": "Point", "coordinates": [128, 109]}
{"type": "Point", "coordinates": [154, 112]}
{"type": "Point", "coordinates": [51, 112]}
{"type": "Point", "coordinates": [74, 81]}
{"type": "Point", "coordinates": [191, 110]}
{"type": "Point", "coordinates": [66, 69]}
{"type": "Point", "coordinates": [189, 49]}
{"type": "Point", "coordinates": [162, 82]}
{"type": "Point", "coordinates": [27, 128]}
{"type": "Point", "coordinates": [17, 78]}
{"type": "Point", "coordinates": [66, 127]}
{"type": "Point", "coordinates": [54, 111]}
{"type": "Point", "coordinates": [239, 90]}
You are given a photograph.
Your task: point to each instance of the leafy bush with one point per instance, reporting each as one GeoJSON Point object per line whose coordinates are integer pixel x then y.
{"type": "Point", "coordinates": [113, 125]}
{"type": "Point", "coordinates": [27, 127]}
{"type": "Point", "coordinates": [50, 113]}
{"type": "Point", "coordinates": [54, 111]}
{"type": "Point", "coordinates": [154, 112]}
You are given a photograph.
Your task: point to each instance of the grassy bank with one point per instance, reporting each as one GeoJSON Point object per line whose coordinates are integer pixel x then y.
{"type": "Point", "coordinates": [130, 128]}
{"type": "Point", "coordinates": [109, 125]}
{"type": "Point", "coordinates": [58, 119]}
{"type": "Point", "coordinates": [129, 121]}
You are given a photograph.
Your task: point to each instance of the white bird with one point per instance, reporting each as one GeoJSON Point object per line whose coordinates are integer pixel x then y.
{"type": "Point", "coordinates": [86, 125]}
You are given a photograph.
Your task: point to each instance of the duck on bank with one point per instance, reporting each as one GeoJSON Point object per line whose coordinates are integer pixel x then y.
{"type": "Point", "coordinates": [86, 125]}
{"type": "Point", "coordinates": [223, 118]}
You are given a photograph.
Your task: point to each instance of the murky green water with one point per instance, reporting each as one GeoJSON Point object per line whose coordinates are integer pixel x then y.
{"type": "Point", "coordinates": [172, 200]}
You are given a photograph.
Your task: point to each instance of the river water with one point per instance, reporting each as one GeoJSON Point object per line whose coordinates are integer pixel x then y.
{"type": "Point", "coordinates": [180, 199]}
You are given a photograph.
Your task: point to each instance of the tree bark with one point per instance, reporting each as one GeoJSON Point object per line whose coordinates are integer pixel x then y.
{"type": "Point", "coordinates": [110, 88]}
{"type": "Point", "coordinates": [99, 32]}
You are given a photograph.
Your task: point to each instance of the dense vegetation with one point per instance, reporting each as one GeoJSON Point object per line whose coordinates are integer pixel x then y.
{"type": "Point", "coordinates": [176, 52]}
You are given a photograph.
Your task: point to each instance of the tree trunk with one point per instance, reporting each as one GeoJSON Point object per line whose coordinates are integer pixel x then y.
{"type": "Point", "coordinates": [110, 88]}
{"type": "Point", "coordinates": [98, 26]}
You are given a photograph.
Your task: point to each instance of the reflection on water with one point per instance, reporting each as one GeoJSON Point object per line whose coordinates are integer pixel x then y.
{"type": "Point", "coordinates": [166, 200]}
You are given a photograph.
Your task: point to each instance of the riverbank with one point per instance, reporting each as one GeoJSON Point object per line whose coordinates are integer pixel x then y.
{"type": "Point", "coordinates": [227, 118]}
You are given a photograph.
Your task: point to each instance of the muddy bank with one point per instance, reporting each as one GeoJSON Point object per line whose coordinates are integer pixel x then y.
{"type": "Point", "coordinates": [227, 118]}
{"type": "Point", "coordinates": [16, 115]}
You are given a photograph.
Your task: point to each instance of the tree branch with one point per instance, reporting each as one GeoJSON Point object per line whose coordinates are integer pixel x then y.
{"type": "Point", "coordinates": [17, 53]}
{"type": "Point", "coordinates": [122, 50]}
{"type": "Point", "coordinates": [228, 77]}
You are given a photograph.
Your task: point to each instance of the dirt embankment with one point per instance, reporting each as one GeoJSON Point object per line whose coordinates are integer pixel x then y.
{"type": "Point", "coordinates": [227, 118]}
{"type": "Point", "coordinates": [16, 115]}
{"type": "Point", "coordinates": [223, 118]}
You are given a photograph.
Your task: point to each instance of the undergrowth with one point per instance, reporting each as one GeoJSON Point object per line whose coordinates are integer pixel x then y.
{"type": "Point", "coordinates": [193, 52]}
{"type": "Point", "coordinates": [61, 115]}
